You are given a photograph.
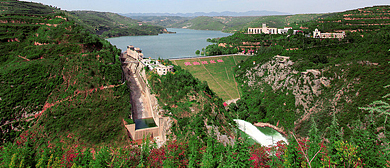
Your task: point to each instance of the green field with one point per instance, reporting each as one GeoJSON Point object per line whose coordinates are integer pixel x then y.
{"type": "Point", "coordinates": [219, 75]}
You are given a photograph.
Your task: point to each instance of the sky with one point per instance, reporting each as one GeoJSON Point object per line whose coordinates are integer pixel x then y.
{"type": "Point", "coordinates": [191, 6]}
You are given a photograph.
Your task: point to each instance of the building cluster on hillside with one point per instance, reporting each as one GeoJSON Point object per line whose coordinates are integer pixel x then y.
{"type": "Point", "coordinates": [152, 64]}
{"type": "Point", "coordinates": [316, 34]}
{"type": "Point", "coordinates": [155, 64]}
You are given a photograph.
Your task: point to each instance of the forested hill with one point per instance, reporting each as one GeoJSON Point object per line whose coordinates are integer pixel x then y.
{"type": "Point", "coordinates": [317, 77]}
{"type": "Point", "coordinates": [359, 20]}
{"type": "Point", "coordinates": [104, 24]}
{"type": "Point", "coordinates": [107, 24]}
{"type": "Point", "coordinates": [228, 23]}
{"type": "Point", "coordinates": [62, 99]}
{"type": "Point", "coordinates": [317, 83]}
{"type": "Point", "coordinates": [57, 79]}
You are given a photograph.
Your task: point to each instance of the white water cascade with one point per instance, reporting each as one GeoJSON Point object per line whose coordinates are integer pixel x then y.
{"type": "Point", "coordinates": [257, 135]}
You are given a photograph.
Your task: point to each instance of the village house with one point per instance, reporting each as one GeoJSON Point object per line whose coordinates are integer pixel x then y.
{"type": "Point", "coordinates": [155, 65]}
{"type": "Point", "coordinates": [163, 70]}
{"type": "Point", "coordinates": [318, 34]}
{"type": "Point", "coordinates": [284, 31]}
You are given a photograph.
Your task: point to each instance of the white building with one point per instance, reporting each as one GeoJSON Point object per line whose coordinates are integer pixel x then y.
{"type": "Point", "coordinates": [155, 65]}
{"type": "Point", "coordinates": [284, 31]}
{"type": "Point", "coordinates": [318, 34]}
{"type": "Point", "coordinates": [163, 70]}
{"type": "Point", "coordinates": [268, 30]}
{"type": "Point", "coordinates": [264, 30]}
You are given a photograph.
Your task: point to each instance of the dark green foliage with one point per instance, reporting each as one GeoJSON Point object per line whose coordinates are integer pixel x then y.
{"type": "Point", "coordinates": [228, 23]}
{"type": "Point", "coordinates": [108, 25]}
{"type": "Point", "coordinates": [78, 81]}
{"type": "Point", "coordinates": [238, 155]}
{"type": "Point", "coordinates": [53, 66]}
{"type": "Point", "coordinates": [20, 7]}
{"type": "Point", "coordinates": [249, 107]}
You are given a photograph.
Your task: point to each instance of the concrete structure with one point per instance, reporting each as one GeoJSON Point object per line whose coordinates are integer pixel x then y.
{"type": "Point", "coordinates": [318, 34]}
{"type": "Point", "coordinates": [284, 31]}
{"type": "Point", "coordinates": [144, 104]}
{"type": "Point", "coordinates": [162, 69]}
{"type": "Point", "coordinates": [156, 65]}
{"type": "Point", "coordinates": [266, 30]}
{"type": "Point", "coordinates": [136, 53]}
{"type": "Point", "coordinates": [158, 131]}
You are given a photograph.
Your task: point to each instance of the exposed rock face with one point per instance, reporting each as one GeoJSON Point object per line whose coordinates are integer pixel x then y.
{"type": "Point", "coordinates": [280, 75]}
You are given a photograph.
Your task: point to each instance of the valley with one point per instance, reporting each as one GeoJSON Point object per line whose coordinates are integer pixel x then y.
{"type": "Point", "coordinates": [70, 98]}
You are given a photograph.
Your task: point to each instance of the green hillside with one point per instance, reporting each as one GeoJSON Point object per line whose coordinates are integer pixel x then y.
{"type": "Point", "coordinates": [107, 24]}
{"type": "Point", "coordinates": [164, 21]}
{"type": "Point", "coordinates": [57, 78]}
{"type": "Point", "coordinates": [230, 24]}
{"type": "Point", "coordinates": [202, 23]}
{"type": "Point", "coordinates": [104, 24]}
{"type": "Point", "coordinates": [362, 55]}
{"type": "Point", "coordinates": [62, 98]}
{"type": "Point", "coordinates": [320, 82]}
{"type": "Point", "coordinates": [283, 20]}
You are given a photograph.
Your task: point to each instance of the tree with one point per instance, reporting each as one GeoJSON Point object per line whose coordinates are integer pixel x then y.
{"type": "Point", "coordinates": [239, 155]}
{"type": "Point", "coordinates": [208, 159]}
{"type": "Point", "coordinates": [197, 52]}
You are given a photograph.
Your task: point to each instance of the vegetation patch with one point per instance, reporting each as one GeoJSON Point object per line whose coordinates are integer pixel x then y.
{"type": "Point", "coordinates": [219, 75]}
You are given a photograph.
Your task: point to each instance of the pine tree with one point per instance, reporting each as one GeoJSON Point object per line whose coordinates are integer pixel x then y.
{"type": "Point", "coordinates": [292, 155]}
{"type": "Point", "coordinates": [334, 135]}
{"type": "Point", "coordinates": [315, 145]}
{"type": "Point", "coordinates": [145, 150]}
{"type": "Point", "coordinates": [239, 155]}
{"type": "Point", "coordinates": [208, 159]}
{"type": "Point", "coordinates": [370, 148]}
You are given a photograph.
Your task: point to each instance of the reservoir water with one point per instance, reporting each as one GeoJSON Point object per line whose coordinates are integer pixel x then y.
{"type": "Point", "coordinates": [182, 44]}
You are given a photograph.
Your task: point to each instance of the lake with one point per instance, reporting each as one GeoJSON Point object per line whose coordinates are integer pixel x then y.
{"type": "Point", "coordinates": [182, 44]}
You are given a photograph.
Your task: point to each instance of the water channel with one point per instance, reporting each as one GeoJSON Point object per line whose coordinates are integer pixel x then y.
{"type": "Point", "coordinates": [265, 136]}
{"type": "Point", "coordinates": [183, 43]}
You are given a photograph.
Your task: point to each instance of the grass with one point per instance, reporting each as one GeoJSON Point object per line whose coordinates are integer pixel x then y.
{"type": "Point", "coordinates": [219, 75]}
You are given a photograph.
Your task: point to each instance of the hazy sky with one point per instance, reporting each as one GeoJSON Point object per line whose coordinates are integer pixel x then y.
{"type": "Point", "coordinates": [190, 6]}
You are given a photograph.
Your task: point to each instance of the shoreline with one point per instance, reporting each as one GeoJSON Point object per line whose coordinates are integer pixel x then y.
{"type": "Point", "coordinates": [192, 57]}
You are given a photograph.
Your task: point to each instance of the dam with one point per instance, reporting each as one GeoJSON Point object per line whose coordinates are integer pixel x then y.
{"type": "Point", "coordinates": [145, 108]}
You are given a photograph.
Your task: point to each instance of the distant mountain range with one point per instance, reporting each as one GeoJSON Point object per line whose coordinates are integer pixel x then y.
{"type": "Point", "coordinates": [225, 13]}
